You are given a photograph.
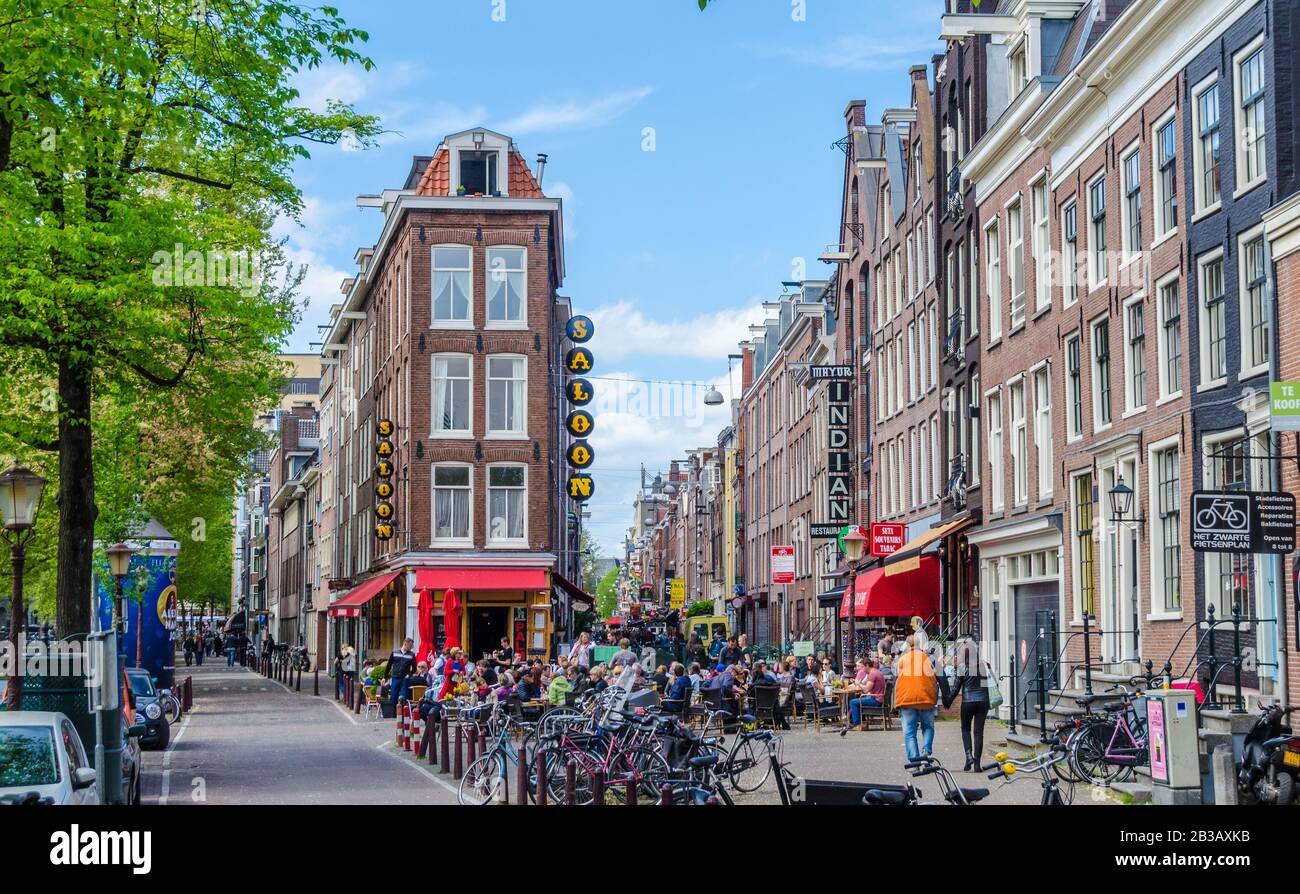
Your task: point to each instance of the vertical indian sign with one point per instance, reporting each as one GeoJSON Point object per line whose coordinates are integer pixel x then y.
{"type": "Point", "coordinates": [579, 423]}
{"type": "Point", "coordinates": [839, 455]}
{"type": "Point", "coordinates": [384, 512]}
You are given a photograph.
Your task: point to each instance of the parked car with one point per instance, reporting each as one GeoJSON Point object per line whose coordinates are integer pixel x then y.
{"type": "Point", "coordinates": [41, 757]}
{"type": "Point", "coordinates": [148, 710]}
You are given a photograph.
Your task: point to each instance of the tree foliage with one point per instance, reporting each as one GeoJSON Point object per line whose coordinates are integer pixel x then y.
{"type": "Point", "coordinates": [607, 594]}
{"type": "Point", "coordinates": [144, 147]}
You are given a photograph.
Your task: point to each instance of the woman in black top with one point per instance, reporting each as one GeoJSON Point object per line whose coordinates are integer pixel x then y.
{"type": "Point", "coordinates": [971, 684]}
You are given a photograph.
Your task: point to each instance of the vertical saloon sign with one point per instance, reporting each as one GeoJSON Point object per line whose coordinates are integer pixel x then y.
{"type": "Point", "coordinates": [384, 511]}
{"type": "Point", "coordinates": [579, 423]}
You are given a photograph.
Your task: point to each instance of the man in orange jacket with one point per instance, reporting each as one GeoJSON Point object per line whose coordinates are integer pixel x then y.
{"type": "Point", "coordinates": [915, 695]}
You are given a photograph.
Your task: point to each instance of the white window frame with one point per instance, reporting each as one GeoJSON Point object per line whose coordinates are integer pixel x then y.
{"type": "Point", "coordinates": [1098, 268]}
{"type": "Point", "coordinates": [488, 272]}
{"type": "Point", "coordinates": [1069, 255]}
{"type": "Point", "coordinates": [496, 542]}
{"type": "Point", "coordinates": [1040, 202]}
{"type": "Point", "coordinates": [993, 278]}
{"type": "Point", "coordinates": [997, 462]}
{"type": "Point", "coordinates": [1158, 197]}
{"type": "Point", "coordinates": [1019, 436]}
{"type": "Point", "coordinates": [457, 433]}
{"type": "Point", "coordinates": [434, 322]}
{"type": "Point", "coordinates": [1097, 404]}
{"type": "Point", "coordinates": [1202, 312]}
{"type": "Point", "coordinates": [1156, 542]}
{"type": "Point", "coordinates": [1131, 251]}
{"type": "Point", "coordinates": [1200, 208]}
{"type": "Point", "coordinates": [1239, 118]}
{"type": "Point", "coordinates": [1016, 250]}
{"type": "Point", "coordinates": [1245, 314]}
{"type": "Point", "coordinates": [433, 506]}
{"type": "Point", "coordinates": [520, 433]}
{"type": "Point", "coordinates": [1162, 346]}
{"type": "Point", "coordinates": [1043, 442]}
{"type": "Point", "coordinates": [1130, 384]}
{"type": "Point", "coordinates": [1073, 407]}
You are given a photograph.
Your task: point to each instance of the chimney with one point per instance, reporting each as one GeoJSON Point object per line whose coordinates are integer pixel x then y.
{"type": "Point", "coordinates": [746, 370]}
{"type": "Point", "coordinates": [541, 168]}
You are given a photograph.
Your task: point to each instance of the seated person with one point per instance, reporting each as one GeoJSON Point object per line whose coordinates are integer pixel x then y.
{"type": "Point", "coordinates": [560, 686]}
{"type": "Point", "coordinates": [679, 692]}
{"type": "Point", "coordinates": [873, 692]}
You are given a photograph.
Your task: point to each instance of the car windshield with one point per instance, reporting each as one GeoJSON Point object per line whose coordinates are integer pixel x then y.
{"type": "Point", "coordinates": [27, 756]}
{"type": "Point", "coordinates": [141, 685]}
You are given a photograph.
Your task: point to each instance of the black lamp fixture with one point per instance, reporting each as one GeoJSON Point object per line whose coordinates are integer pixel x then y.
{"type": "Point", "coordinates": [421, 232]}
{"type": "Point", "coordinates": [478, 232]}
{"type": "Point", "coordinates": [1121, 502]}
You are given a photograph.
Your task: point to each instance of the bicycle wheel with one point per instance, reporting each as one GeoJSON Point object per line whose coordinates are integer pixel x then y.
{"type": "Point", "coordinates": [557, 760]}
{"type": "Point", "coordinates": [649, 766]}
{"type": "Point", "coordinates": [484, 780]}
{"type": "Point", "coordinates": [173, 709]}
{"type": "Point", "coordinates": [1088, 754]}
{"type": "Point", "coordinates": [747, 766]}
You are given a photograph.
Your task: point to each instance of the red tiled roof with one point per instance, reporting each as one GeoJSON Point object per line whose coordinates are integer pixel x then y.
{"type": "Point", "coordinates": [436, 180]}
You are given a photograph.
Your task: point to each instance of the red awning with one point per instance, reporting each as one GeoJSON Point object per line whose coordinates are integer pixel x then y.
{"type": "Point", "coordinates": [481, 579]}
{"type": "Point", "coordinates": [350, 605]}
{"type": "Point", "coordinates": [896, 591]}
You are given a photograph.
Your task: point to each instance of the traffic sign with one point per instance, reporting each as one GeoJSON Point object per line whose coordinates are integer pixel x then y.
{"type": "Point", "coordinates": [782, 564]}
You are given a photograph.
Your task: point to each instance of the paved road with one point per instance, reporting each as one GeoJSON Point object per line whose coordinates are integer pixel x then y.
{"type": "Point", "coordinates": [249, 740]}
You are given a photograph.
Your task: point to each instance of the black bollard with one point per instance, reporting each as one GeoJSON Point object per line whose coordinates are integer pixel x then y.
{"type": "Point", "coordinates": [445, 766]}
{"type": "Point", "coordinates": [539, 758]}
{"type": "Point", "coordinates": [521, 775]}
{"type": "Point", "coordinates": [666, 795]}
{"type": "Point", "coordinates": [315, 682]}
{"type": "Point", "coordinates": [598, 787]}
{"type": "Point", "coordinates": [298, 687]}
{"type": "Point", "coordinates": [458, 768]}
{"type": "Point", "coordinates": [473, 744]}
{"type": "Point", "coordinates": [570, 783]}
{"type": "Point", "coordinates": [631, 783]}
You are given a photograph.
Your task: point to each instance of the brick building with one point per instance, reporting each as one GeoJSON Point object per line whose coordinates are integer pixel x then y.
{"type": "Point", "coordinates": [452, 329]}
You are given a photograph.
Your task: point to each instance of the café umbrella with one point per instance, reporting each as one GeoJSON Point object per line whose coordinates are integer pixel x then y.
{"type": "Point", "coordinates": [451, 617]}
{"type": "Point", "coordinates": [425, 611]}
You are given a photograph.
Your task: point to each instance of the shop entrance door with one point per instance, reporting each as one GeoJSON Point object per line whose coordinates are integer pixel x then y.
{"type": "Point", "coordinates": [487, 625]}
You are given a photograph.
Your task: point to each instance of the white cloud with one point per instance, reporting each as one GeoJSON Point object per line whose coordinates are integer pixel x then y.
{"type": "Point", "coordinates": [622, 330]}
{"type": "Point", "coordinates": [575, 113]}
{"type": "Point", "coordinates": [860, 52]}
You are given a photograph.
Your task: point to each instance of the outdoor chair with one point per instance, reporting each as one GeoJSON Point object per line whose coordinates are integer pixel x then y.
{"type": "Point", "coordinates": [824, 712]}
{"type": "Point", "coordinates": [373, 701]}
{"type": "Point", "coordinates": [808, 697]}
{"type": "Point", "coordinates": [764, 705]}
{"type": "Point", "coordinates": [881, 714]}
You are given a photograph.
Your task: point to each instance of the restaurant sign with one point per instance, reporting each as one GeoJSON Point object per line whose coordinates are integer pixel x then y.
{"type": "Point", "coordinates": [384, 511]}
{"type": "Point", "coordinates": [839, 458]}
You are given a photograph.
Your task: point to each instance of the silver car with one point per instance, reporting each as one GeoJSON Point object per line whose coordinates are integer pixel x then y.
{"type": "Point", "coordinates": [41, 757]}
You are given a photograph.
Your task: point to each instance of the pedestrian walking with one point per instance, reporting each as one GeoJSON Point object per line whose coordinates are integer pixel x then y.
{"type": "Point", "coordinates": [232, 646]}
{"type": "Point", "coordinates": [347, 664]}
{"type": "Point", "coordinates": [971, 680]}
{"type": "Point", "coordinates": [915, 696]}
{"type": "Point", "coordinates": [580, 654]}
{"type": "Point", "coordinates": [187, 645]}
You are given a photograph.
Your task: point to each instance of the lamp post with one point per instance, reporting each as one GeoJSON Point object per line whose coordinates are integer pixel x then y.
{"type": "Point", "coordinates": [109, 756]}
{"type": "Point", "coordinates": [20, 498]}
{"type": "Point", "coordinates": [854, 542]}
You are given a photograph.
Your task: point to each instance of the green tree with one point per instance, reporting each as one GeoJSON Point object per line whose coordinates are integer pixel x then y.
{"type": "Point", "coordinates": [138, 141]}
{"type": "Point", "coordinates": [607, 594]}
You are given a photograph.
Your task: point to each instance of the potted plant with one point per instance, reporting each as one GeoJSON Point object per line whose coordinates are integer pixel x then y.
{"type": "Point", "coordinates": [460, 190]}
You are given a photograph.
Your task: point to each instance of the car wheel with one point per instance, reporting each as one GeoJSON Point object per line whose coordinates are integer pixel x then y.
{"type": "Point", "coordinates": [164, 736]}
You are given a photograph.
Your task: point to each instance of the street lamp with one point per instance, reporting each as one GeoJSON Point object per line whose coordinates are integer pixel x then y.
{"type": "Point", "coordinates": [1121, 502]}
{"type": "Point", "coordinates": [119, 562]}
{"type": "Point", "coordinates": [854, 543]}
{"type": "Point", "coordinates": [713, 397]}
{"type": "Point", "coordinates": [109, 728]}
{"type": "Point", "coordinates": [20, 498]}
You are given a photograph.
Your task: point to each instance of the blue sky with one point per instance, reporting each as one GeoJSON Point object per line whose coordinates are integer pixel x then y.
{"type": "Point", "coordinates": [670, 251]}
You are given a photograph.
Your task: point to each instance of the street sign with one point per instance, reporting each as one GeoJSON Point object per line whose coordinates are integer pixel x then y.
{"type": "Point", "coordinates": [887, 538]}
{"type": "Point", "coordinates": [1284, 406]}
{"type": "Point", "coordinates": [782, 564]}
{"type": "Point", "coordinates": [1243, 522]}
{"type": "Point", "coordinates": [824, 530]}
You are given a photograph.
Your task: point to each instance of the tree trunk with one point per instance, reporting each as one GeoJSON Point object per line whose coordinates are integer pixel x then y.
{"type": "Point", "coordinates": [77, 510]}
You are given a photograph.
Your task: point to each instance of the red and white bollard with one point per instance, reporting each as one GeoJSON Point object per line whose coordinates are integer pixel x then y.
{"type": "Point", "coordinates": [417, 730]}
{"type": "Point", "coordinates": [406, 726]}
{"type": "Point", "coordinates": [401, 722]}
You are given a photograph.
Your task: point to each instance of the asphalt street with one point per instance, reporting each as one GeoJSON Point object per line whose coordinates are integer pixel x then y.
{"type": "Point", "coordinates": [250, 740]}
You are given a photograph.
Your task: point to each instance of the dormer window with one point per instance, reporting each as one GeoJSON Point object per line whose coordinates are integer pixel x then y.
{"type": "Point", "coordinates": [478, 172]}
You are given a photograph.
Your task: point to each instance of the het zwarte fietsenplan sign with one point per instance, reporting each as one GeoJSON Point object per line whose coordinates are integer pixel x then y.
{"type": "Point", "coordinates": [1225, 521]}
